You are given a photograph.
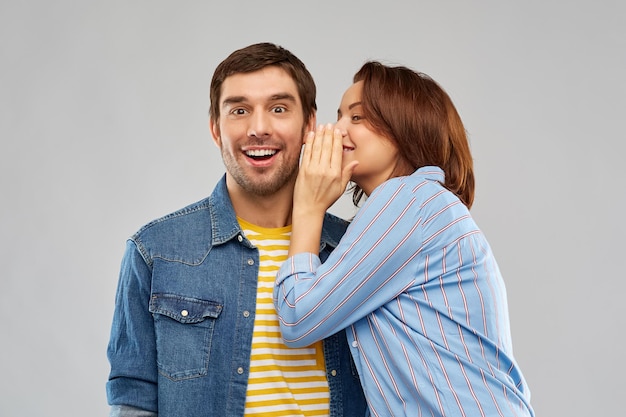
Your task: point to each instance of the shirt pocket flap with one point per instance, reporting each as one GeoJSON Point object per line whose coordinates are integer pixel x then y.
{"type": "Point", "coordinates": [184, 309]}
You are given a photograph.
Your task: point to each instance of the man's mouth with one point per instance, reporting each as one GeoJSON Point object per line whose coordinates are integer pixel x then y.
{"type": "Point", "coordinates": [260, 154]}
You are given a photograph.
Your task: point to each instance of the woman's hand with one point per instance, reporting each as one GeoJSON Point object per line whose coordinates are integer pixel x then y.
{"type": "Point", "coordinates": [322, 179]}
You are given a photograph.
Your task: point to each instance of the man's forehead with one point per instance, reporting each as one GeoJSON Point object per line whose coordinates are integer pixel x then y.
{"type": "Point", "coordinates": [270, 83]}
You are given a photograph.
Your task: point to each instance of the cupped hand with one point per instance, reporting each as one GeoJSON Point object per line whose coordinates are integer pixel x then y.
{"type": "Point", "coordinates": [322, 179]}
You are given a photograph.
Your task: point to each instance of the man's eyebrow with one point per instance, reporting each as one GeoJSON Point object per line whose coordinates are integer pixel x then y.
{"type": "Point", "coordinates": [233, 100]}
{"type": "Point", "coordinates": [242, 99]}
{"type": "Point", "coordinates": [283, 96]}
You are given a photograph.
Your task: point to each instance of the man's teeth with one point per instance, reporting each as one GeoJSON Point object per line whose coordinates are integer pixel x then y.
{"type": "Point", "coordinates": [261, 152]}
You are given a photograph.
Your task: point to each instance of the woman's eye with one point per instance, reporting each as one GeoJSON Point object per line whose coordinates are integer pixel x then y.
{"type": "Point", "coordinates": [356, 117]}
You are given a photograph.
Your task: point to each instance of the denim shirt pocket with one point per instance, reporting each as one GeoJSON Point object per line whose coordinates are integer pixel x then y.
{"type": "Point", "coordinates": [184, 332]}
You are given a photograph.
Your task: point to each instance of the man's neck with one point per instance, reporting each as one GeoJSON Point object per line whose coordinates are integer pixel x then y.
{"type": "Point", "coordinates": [265, 211]}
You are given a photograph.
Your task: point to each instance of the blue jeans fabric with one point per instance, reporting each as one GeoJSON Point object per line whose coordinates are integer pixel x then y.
{"type": "Point", "coordinates": [184, 314]}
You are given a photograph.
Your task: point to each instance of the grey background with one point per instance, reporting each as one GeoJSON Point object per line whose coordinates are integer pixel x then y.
{"type": "Point", "coordinates": [103, 120]}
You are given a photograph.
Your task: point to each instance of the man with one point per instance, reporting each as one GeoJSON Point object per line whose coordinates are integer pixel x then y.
{"type": "Point", "coordinates": [194, 331]}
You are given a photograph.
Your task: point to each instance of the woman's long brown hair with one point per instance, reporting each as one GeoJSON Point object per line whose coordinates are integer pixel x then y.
{"type": "Point", "coordinates": [412, 110]}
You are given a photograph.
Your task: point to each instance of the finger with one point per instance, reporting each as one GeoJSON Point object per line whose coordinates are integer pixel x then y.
{"type": "Point", "coordinates": [347, 171]}
{"type": "Point", "coordinates": [308, 142]}
{"type": "Point", "coordinates": [337, 150]}
{"type": "Point", "coordinates": [326, 146]}
{"type": "Point", "coordinates": [316, 147]}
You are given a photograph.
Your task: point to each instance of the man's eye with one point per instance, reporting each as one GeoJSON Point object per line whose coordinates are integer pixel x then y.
{"type": "Point", "coordinates": [279, 109]}
{"type": "Point", "coordinates": [238, 111]}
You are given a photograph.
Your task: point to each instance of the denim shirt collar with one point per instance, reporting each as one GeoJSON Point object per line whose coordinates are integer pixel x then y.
{"type": "Point", "coordinates": [224, 224]}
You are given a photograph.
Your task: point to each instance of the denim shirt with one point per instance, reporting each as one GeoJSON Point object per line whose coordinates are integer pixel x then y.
{"type": "Point", "coordinates": [184, 314]}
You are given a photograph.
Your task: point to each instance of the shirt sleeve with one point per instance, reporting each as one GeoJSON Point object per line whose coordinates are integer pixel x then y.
{"type": "Point", "coordinates": [128, 411]}
{"type": "Point", "coordinates": [132, 345]}
{"type": "Point", "coordinates": [371, 266]}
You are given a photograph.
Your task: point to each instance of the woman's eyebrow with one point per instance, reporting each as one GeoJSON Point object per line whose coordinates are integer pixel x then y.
{"type": "Point", "coordinates": [350, 107]}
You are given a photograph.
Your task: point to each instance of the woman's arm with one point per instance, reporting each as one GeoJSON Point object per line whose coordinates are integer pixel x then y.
{"type": "Point", "coordinates": [371, 266]}
{"type": "Point", "coordinates": [321, 181]}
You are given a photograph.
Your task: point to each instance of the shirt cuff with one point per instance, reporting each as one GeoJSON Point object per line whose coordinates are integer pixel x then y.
{"type": "Point", "coordinates": [128, 411]}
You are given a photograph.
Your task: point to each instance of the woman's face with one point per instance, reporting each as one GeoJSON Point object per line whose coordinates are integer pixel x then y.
{"type": "Point", "coordinates": [376, 154]}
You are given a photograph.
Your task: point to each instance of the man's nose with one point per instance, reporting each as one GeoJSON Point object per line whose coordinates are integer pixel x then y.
{"type": "Point", "coordinates": [260, 125]}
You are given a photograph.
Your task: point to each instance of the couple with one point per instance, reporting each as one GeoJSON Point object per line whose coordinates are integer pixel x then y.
{"type": "Point", "coordinates": [237, 305]}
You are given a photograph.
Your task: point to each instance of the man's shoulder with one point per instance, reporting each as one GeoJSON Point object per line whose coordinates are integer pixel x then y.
{"type": "Point", "coordinates": [191, 213]}
{"type": "Point", "coordinates": [184, 235]}
{"type": "Point", "coordinates": [331, 220]}
{"type": "Point", "coordinates": [333, 229]}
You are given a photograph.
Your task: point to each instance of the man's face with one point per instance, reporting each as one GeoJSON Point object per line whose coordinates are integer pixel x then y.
{"type": "Point", "coordinates": [260, 130]}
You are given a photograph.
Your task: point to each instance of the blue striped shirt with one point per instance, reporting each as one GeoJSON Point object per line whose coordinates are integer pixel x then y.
{"type": "Point", "coordinates": [417, 285]}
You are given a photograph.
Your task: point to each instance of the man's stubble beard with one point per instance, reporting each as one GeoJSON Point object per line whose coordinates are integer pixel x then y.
{"type": "Point", "coordinates": [259, 186]}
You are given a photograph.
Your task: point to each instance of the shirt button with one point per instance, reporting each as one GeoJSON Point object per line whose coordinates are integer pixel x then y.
{"type": "Point", "coordinates": [239, 238]}
{"type": "Point", "coordinates": [355, 343]}
{"type": "Point", "coordinates": [250, 261]}
{"type": "Point", "coordinates": [333, 372]}
{"type": "Point", "coordinates": [240, 370]}
{"type": "Point", "coordinates": [246, 313]}
{"type": "Point", "coordinates": [184, 313]}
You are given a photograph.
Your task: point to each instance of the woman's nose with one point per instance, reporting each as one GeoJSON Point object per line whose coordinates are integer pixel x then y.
{"type": "Point", "coordinates": [341, 125]}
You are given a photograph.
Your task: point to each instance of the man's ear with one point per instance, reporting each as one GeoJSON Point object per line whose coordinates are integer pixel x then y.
{"type": "Point", "coordinates": [215, 132]}
{"type": "Point", "coordinates": [311, 124]}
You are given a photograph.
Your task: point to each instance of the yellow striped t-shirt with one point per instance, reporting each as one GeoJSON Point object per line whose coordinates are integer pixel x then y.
{"type": "Point", "coordinates": [283, 381]}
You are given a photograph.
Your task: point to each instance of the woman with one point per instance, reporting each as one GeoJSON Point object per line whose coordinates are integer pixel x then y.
{"type": "Point", "coordinates": [413, 279]}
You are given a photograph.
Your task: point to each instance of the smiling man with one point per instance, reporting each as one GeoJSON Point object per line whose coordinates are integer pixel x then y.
{"type": "Point", "coordinates": [259, 132]}
{"type": "Point", "coordinates": [195, 332]}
